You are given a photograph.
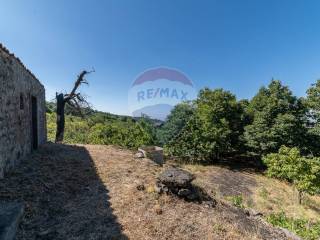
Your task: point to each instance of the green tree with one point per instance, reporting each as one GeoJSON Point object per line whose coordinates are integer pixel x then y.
{"type": "Point", "coordinates": [212, 130]}
{"type": "Point", "coordinates": [288, 164]}
{"type": "Point", "coordinates": [146, 132]}
{"type": "Point", "coordinates": [312, 103]}
{"type": "Point", "coordinates": [278, 119]}
{"type": "Point", "coordinates": [175, 122]}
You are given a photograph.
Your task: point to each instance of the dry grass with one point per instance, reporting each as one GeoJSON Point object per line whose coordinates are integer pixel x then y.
{"type": "Point", "coordinates": [271, 195]}
{"type": "Point", "coordinates": [90, 192]}
{"type": "Point", "coordinates": [259, 192]}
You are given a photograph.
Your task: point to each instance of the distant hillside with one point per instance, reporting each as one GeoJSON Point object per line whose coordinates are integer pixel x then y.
{"type": "Point", "coordinates": [51, 108]}
{"type": "Point", "coordinates": [159, 111]}
{"type": "Point", "coordinates": [97, 127]}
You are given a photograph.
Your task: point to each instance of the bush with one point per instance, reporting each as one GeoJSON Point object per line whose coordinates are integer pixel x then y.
{"type": "Point", "coordinates": [289, 165]}
{"type": "Point", "coordinates": [237, 201]}
{"type": "Point", "coordinates": [100, 129]}
{"type": "Point", "coordinates": [302, 227]}
{"type": "Point", "coordinates": [130, 135]}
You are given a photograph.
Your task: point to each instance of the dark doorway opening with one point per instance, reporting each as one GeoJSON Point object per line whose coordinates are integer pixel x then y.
{"type": "Point", "coordinates": [34, 113]}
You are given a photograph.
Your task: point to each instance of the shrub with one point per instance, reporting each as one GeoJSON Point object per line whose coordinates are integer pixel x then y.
{"type": "Point", "coordinates": [236, 201]}
{"type": "Point", "coordinates": [289, 165]}
{"type": "Point", "coordinates": [302, 227]}
{"type": "Point", "coordinates": [101, 129]}
{"type": "Point", "coordinates": [128, 134]}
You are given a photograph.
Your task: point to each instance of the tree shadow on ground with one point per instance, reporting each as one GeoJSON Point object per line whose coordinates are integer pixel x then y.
{"type": "Point", "coordinates": [63, 194]}
{"type": "Point", "coordinates": [235, 176]}
{"type": "Point", "coordinates": [233, 183]}
{"type": "Point", "coordinates": [242, 163]}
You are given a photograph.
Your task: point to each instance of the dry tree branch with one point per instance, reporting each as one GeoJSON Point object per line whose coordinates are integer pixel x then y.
{"type": "Point", "coordinates": [73, 99]}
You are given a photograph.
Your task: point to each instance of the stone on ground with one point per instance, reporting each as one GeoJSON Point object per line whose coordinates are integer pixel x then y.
{"type": "Point", "coordinates": [154, 153]}
{"type": "Point", "coordinates": [176, 178]}
{"type": "Point", "coordinates": [10, 216]}
{"type": "Point", "coordinates": [139, 155]}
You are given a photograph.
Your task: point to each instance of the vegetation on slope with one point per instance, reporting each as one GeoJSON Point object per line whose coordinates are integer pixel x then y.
{"type": "Point", "coordinates": [276, 200]}
{"type": "Point", "coordinates": [90, 192]}
{"type": "Point", "coordinates": [275, 126]}
{"type": "Point", "coordinates": [103, 128]}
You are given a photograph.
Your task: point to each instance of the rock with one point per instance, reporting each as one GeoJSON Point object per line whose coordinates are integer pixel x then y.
{"type": "Point", "coordinates": [139, 155]}
{"type": "Point", "coordinates": [176, 178]}
{"type": "Point", "coordinates": [177, 181]}
{"type": "Point", "coordinates": [10, 216]}
{"type": "Point", "coordinates": [158, 209]}
{"type": "Point", "coordinates": [184, 192]}
{"type": "Point", "coordinates": [154, 153]}
{"type": "Point", "coordinates": [193, 196]}
{"type": "Point", "coordinates": [141, 187]}
{"type": "Point", "coordinates": [161, 188]}
{"type": "Point", "coordinates": [158, 188]}
{"type": "Point", "coordinates": [253, 213]}
{"type": "Point", "coordinates": [289, 234]}
{"type": "Point", "coordinates": [210, 204]}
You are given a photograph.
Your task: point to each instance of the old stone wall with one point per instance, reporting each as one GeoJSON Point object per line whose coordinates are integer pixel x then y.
{"type": "Point", "coordinates": [17, 87]}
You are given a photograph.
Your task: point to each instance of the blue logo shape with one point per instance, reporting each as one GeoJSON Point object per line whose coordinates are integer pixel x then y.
{"type": "Point", "coordinates": [156, 91]}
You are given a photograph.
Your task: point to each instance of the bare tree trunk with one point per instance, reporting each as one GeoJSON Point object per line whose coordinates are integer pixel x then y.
{"type": "Point", "coordinates": [74, 100]}
{"type": "Point", "coordinates": [60, 117]}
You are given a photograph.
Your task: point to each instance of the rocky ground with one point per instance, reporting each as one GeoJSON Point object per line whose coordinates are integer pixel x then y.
{"type": "Point", "coordinates": [104, 192]}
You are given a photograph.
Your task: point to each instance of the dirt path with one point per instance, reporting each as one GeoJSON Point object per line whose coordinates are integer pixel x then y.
{"type": "Point", "coordinates": [90, 192]}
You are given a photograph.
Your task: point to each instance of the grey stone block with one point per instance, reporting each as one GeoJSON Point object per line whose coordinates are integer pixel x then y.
{"type": "Point", "coordinates": [10, 216]}
{"type": "Point", "coordinates": [154, 153]}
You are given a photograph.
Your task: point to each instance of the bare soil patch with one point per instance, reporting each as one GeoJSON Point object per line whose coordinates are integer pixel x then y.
{"type": "Point", "coordinates": [225, 181]}
{"type": "Point", "coordinates": [90, 192]}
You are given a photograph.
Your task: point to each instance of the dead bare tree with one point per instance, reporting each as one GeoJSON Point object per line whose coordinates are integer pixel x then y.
{"type": "Point", "coordinates": [74, 100]}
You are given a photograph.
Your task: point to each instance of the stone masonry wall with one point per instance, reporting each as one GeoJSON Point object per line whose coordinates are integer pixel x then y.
{"type": "Point", "coordinates": [17, 86]}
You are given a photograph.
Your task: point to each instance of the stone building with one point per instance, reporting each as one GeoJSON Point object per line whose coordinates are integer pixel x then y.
{"type": "Point", "coordinates": [22, 111]}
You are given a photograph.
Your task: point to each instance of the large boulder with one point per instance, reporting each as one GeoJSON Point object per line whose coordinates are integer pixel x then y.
{"type": "Point", "coordinates": [176, 178]}
{"type": "Point", "coordinates": [153, 152]}
{"type": "Point", "coordinates": [178, 182]}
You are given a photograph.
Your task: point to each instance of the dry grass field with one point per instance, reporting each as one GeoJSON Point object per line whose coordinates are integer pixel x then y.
{"type": "Point", "coordinates": [265, 195]}
{"type": "Point", "coordinates": [90, 192]}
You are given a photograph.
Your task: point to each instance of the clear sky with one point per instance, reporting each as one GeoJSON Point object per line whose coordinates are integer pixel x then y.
{"type": "Point", "coordinates": [237, 45]}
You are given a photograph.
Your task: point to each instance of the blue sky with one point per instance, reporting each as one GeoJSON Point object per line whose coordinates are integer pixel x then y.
{"type": "Point", "coordinates": [237, 45]}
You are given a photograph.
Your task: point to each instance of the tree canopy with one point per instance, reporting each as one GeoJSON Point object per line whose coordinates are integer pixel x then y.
{"type": "Point", "coordinates": [278, 119]}
{"type": "Point", "coordinates": [213, 129]}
